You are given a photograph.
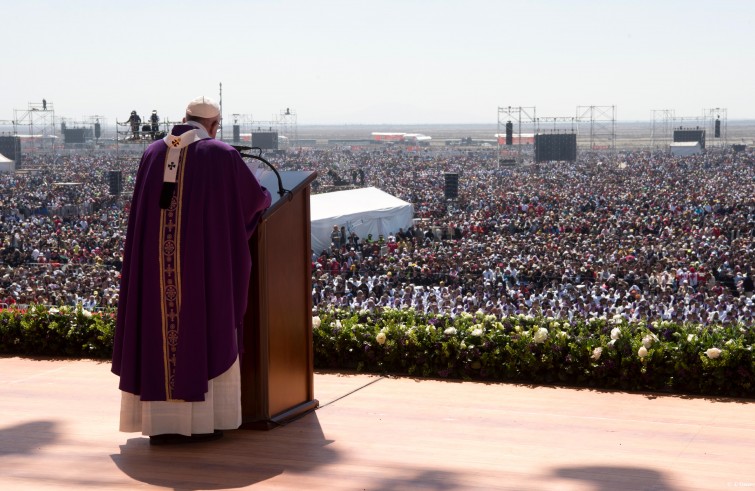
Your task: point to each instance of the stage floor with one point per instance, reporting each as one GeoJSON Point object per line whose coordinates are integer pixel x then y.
{"type": "Point", "coordinates": [59, 430]}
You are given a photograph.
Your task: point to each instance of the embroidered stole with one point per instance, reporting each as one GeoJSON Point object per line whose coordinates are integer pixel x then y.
{"type": "Point", "coordinates": [170, 249]}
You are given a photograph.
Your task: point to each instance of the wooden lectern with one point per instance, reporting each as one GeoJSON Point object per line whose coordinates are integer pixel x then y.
{"type": "Point", "coordinates": [277, 367]}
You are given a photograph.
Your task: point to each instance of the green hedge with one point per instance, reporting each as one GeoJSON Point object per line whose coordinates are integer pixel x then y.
{"type": "Point", "coordinates": [601, 353]}
{"type": "Point", "coordinates": [63, 332]}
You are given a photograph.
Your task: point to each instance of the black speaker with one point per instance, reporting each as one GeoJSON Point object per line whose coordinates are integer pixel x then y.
{"type": "Point", "coordinates": [114, 180]}
{"type": "Point", "coordinates": [717, 131]}
{"type": "Point", "coordinates": [97, 130]}
{"type": "Point", "coordinates": [509, 133]}
{"type": "Point", "coordinates": [10, 146]}
{"type": "Point", "coordinates": [236, 133]}
{"type": "Point", "coordinates": [451, 188]}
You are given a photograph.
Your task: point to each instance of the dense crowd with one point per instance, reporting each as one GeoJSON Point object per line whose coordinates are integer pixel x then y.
{"type": "Point", "coordinates": [62, 232]}
{"type": "Point", "coordinates": [641, 235]}
{"type": "Point", "coordinates": [647, 236]}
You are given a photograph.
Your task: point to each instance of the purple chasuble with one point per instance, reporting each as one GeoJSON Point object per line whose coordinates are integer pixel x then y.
{"type": "Point", "coordinates": [185, 275]}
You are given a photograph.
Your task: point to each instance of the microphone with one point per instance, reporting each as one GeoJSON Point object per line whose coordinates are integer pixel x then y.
{"type": "Point", "coordinates": [241, 148]}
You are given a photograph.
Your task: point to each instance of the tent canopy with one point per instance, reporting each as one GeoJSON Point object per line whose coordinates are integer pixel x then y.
{"type": "Point", "coordinates": [6, 164]}
{"type": "Point", "coordinates": [362, 211]}
{"type": "Point", "coordinates": [684, 149]}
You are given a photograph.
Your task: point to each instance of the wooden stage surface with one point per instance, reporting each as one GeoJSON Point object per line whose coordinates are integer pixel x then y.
{"type": "Point", "coordinates": [59, 420]}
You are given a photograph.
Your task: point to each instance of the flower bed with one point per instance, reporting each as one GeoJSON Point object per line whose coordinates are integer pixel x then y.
{"type": "Point", "coordinates": [600, 353]}
{"type": "Point", "coordinates": [608, 354]}
{"type": "Point", "coordinates": [63, 331]}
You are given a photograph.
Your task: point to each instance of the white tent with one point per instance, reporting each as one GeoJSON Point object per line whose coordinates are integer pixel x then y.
{"type": "Point", "coordinates": [362, 211]}
{"type": "Point", "coordinates": [6, 164]}
{"type": "Point", "coordinates": [683, 149]}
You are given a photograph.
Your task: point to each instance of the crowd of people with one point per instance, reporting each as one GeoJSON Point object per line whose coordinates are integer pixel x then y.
{"type": "Point", "coordinates": [641, 236]}
{"type": "Point", "coordinates": [61, 231]}
{"type": "Point", "coordinates": [637, 235]}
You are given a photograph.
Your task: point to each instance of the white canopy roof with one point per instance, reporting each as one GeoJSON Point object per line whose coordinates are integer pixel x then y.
{"type": "Point", "coordinates": [362, 211]}
{"type": "Point", "coordinates": [684, 149]}
{"type": "Point", "coordinates": [685, 144]}
{"type": "Point", "coordinates": [4, 159]}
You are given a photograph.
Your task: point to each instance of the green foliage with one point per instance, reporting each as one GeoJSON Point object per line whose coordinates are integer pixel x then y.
{"type": "Point", "coordinates": [600, 353]}
{"type": "Point", "coordinates": [63, 332]}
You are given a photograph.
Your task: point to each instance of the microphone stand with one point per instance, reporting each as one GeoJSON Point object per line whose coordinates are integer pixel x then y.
{"type": "Point", "coordinates": [239, 148]}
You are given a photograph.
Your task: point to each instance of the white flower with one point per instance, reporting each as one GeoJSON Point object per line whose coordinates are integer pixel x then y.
{"type": "Point", "coordinates": [615, 333]}
{"type": "Point", "coordinates": [463, 345]}
{"type": "Point", "coordinates": [611, 342]}
{"type": "Point", "coordinates": [731, 341]}
{"type": "Point", "coordinates": [53, 310]}
{"type": "Point", "coordinates": [380, 338]}
{"type": "Point", "coordinates": [691, 338]}
{"type": "Point", "coordinates": [563, 334]}
{"type": "Point", "coordinates": [642, 352]}
{"type": "Point", "coordinates": [540, 335]}
{"type": "Point", "coordinates": [596, 353]}
{"type": "Point", "coordinates": [338, 324]}
{"type": "Point", "coordinates": [450, 331]}
{"type": "Point", "coordinates": [477, 332]}
{"type": "Point", "coordinates": [647, 342]}
{"type": "Point", "coordinates": [86, 313]}
{"type": "Point", "coordinates": [713, 353]}
{"type": "Point", "coordinates": [316, 322]}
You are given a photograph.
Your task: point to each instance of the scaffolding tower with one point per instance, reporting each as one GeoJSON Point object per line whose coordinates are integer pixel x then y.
{"type": "Point", "coordinates": [289, 126]}
{"type": "Point", "coordinates": [39, 121]}
{"type": "Point", "coordinates": [661, 130]}
{"type": "Point", "coordinates": [285, 124]}
{"type": "Point", "coordinates": [602, 126]}
{"type": "Point", "coordinates": [561, 124]}
{"type": "Point", "coordinates": [523, 119]}
{"type": "Point", "coordinates": [710, 116]}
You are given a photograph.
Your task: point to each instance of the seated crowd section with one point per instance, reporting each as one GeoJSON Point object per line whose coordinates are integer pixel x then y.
{"type": "Point", "coordinates": [640, 234]}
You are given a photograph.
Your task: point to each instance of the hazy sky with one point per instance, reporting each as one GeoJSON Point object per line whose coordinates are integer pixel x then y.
{"type": "Point", "coordinates": [379, 61]}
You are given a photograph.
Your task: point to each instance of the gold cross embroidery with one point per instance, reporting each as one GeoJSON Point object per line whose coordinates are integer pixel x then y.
{"type": "Point", "coordinates": [175, 142]}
